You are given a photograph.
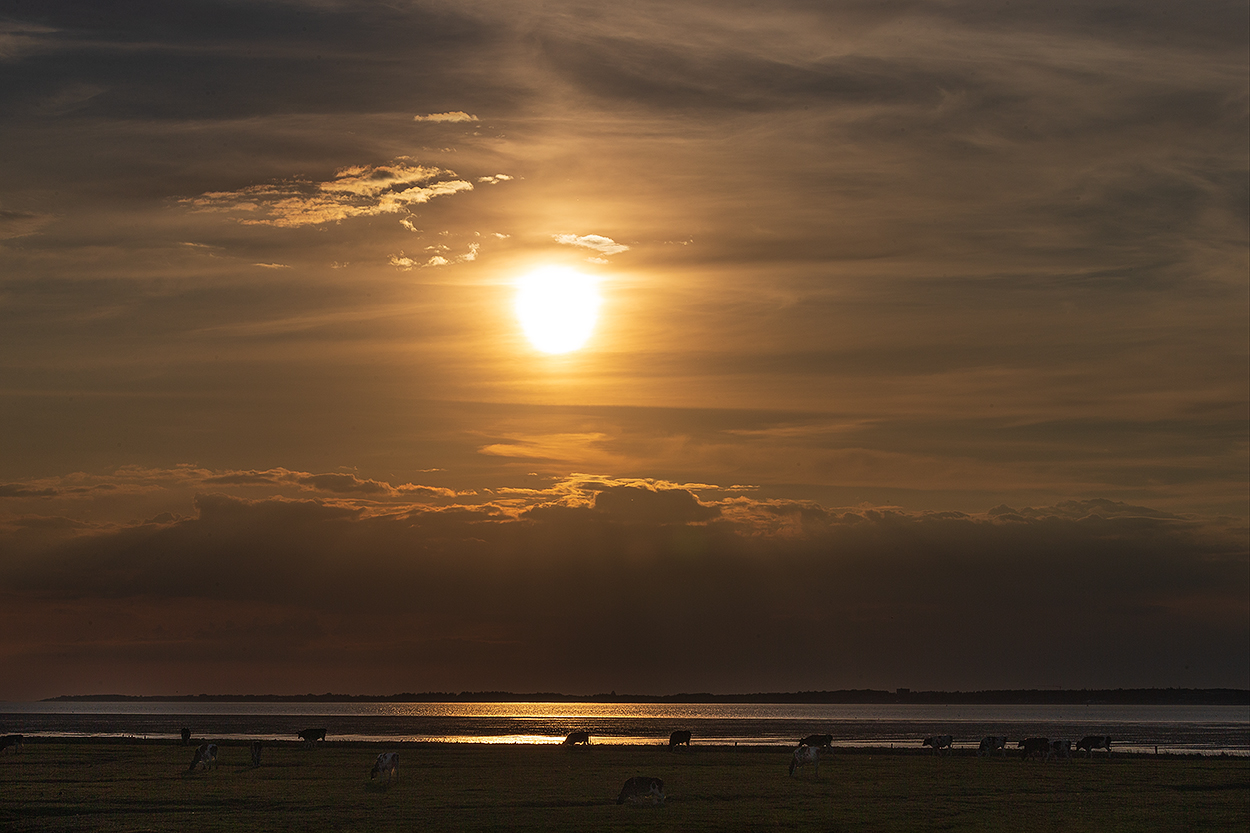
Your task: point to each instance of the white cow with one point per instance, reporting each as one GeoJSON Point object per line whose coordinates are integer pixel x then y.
{"type": "Point", "coordinates": [805, 755]}
{"type": "Point", "coordinates": [387, 764]}
{"type": "Point", "coordinates": [992, 744]}
{"type": "Point", "coordinates": [938, 742]}
{"type": "Point", "coordinates": [640, 788]}
{"type": "Point", "coordinates": [205, 757]}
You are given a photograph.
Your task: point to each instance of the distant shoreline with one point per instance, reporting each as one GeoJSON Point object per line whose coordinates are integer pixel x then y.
{"type": "Point", "coordinates": [1118, 697]}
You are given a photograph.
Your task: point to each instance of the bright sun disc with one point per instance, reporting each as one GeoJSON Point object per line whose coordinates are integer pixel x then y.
{"type": "Point", "coordinates": [557, 308]}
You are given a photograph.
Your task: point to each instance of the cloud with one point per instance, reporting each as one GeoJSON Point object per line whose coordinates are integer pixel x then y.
{"type": "Point", "coordinates": [355, 191]}
{"type": "Point", "coordinates": [494, 180]}
{"type": "Point", "coordinates": [601, 244]}
{"type": "Point", "coordinates": [453, 116]}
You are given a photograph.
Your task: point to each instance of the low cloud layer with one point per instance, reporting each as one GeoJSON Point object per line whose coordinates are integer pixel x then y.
{"type": "Point", "coordinates": [594, 583]}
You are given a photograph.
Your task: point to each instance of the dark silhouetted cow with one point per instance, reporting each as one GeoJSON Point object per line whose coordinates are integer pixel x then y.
{"type": "Point", "coordinates": [1061, 749]}
{"type": "Point", "coordinates": [1091, 742]}
{"type": "Point", "coordinates": [938, 742]}
{"type": "Point", "coordinates": [677, 738]}
{"type": "Point", "coordinates": [256, 747]}
{"type": "Point", "coordinates": [186, 736]}
{"type": "Point", "coordinates": [577, 737]}
{"type": "Point", "coordinates": [1035, 746]}
{"type": "Point", "coordinates": [13, 742]}
{"type": "Point", "coordinates": [311, 736]}
{"type": "Point", "coordinates": [817, 740]}
{"type": "Point", "coordinates": [991, 744]}
{"type": "Point", "coordinates": [641, 788]}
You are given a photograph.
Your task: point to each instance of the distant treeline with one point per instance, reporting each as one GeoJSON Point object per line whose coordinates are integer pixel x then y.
{"type": "Point", "coordinates": [1117, 696]}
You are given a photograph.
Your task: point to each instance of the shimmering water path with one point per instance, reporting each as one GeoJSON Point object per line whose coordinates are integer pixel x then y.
{"type": "Point", "coordinates": [1176, 729]}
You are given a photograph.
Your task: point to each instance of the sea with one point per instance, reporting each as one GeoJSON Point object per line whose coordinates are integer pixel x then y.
{"type": "Point", "coordinates": [1173, 729]}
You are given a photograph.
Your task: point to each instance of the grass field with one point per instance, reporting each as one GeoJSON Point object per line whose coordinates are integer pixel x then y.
{"type": "Point", "coordinates": [143, 786]}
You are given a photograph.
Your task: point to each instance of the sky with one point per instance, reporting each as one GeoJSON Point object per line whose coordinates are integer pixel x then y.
{"type": "Point", "coordinates": [922, 355]}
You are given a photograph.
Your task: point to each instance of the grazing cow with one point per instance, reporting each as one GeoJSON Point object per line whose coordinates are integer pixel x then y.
{"type": "Point", "coordinates": [387, 764]}
{"type": "Point", "coordinates": [805, 755]}
{"type": "Point", "coordinates": [311, 736]}
{"type": "Point", "coordinates": [817, 740]}
{"type": "Point", "coordinates": [677, 738]}
{"type": "Point", "coordinates": [205, 757]}
{"type": "Point", "coordinates": [1035, 746]}
{"type": "Point", "coordinates": [186, 736]}
{"type": "Point", "coordinates": [640, 788]}
{"type": "Point", "coordinates": [577, 737]}
{"type": "Point", "coordinates": [1061, 749]}
{"type": "Point", "coordinates": [256, 747]}
{"type": "Point", "coordinates": [1091, 742]}
{"type": "Point", "coordinates": [992, 744]}
{"type": "Point", "coordinates": [938, 742]}
{"type": "Point", "coordinates": [13, 742]}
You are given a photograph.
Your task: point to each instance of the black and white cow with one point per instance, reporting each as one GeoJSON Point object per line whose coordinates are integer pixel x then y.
{"type": "Point", "coordinates": [641, 788]}
{"type": "Point", "coordinates": [205, 757]}
{"type": "Point", "coordinates": [577, 737]}
{"type": "Point", "coordinates": [387, 764]}
{"type": "Point", "coordinates": [1034, 747]}
{"type": "Point", "coordinates": [1061, 749]}
{"type": "Point", "coordinates": [1091, 742]}
{"type": "Point", "coordinates": [311, 736]}
{"type": "Point", "coordinates": [817, 740]}
{"type": "Point", "coordinates": [991, 744]}
{"type": "Point", "coordinates": [805, 755]}
{"type": "Point", "coordinates": [13, 742]}
{"type": "Point", "coordinates": [678, 738]}
{"type": "Point", "coordinates": [938, 742]}
{"type": "Point", "coordinates": [256, 747]}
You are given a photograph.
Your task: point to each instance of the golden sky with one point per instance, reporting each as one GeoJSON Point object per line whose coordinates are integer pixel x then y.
{"type": "Point", "coordinates": [915, 319]}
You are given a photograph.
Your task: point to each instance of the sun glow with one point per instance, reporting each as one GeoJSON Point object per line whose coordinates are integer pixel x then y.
{"type": "Point", "coordinates": [557, 308]}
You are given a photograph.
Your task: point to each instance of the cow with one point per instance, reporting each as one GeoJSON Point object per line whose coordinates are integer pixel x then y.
{"type": "Point", "coordinates": [186, 736]}
{"type": "Point", "coordinates": [817, 740]}
{"type": "Point", "coordinates": [1091, 742]}
{"type": "Point", "coordinates": [1034, 746]}
{"type": "Point", "coordinates": [13, 742]}
{"type": "Point", "coordinates": [677, 738]}
{"type": "Point", "coordinates": [938, 742]}
{"type": "Point", "coordinates": [205, 757]}
{"type": "Point", "coordinates": [387, 764]}
{"type": "Point", "coordinates": [991, 744]}
{"type": "Point", "coordinates": [577, 737]}
{"type": "Point", "coordinates": [256, 747]}
{"type": "Point", "coordinates": [640, 788]}
{"type": "Point", "coordinates": [1061, 749]}
{"type": "Point", "coordinates": [805, 755]}
{"type": "Point", "coordinates": [311, 736]}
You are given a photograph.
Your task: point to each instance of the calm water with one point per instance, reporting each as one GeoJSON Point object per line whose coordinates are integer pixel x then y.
{"type": "Point", "coordinates": [1178, 729]}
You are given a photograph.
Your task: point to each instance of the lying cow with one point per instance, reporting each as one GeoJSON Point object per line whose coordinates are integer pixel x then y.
{"type": "Point", "coordinates": [1061, 749]}
{"type": "Point", "coordinates": [577, 737]}
{"type": "Point", "coordinates": [205, 757]}
{"type": "Point", "coordinates": [1091, 742]}
{"type": "Point", "coordinates": [1035, 746]}
{"type": "Point", "coordinates": [991, 744]}
{"type": "Point", "coordinates": [817, 740]}
{"type": "Point", "coordinates": [641, 788]}
{"type": "Point", "coordinates": [938, 742]}
{"type": "Point", "coordinates": [805, 755]}
{"type": "Point", "coordinates": [311, 736]}
{"type": "Point", "coordinates": [256, 747]}
{"type": "Point", "coordinates": [13, 742]}
{"type": "Point", "coordinates": [387, 764]}
{"type": "Point", "coordinates": [678, 738]}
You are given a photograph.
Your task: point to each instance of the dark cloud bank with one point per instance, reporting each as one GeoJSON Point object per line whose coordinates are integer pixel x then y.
{"type": "Point", "coordinates": [643, 590]}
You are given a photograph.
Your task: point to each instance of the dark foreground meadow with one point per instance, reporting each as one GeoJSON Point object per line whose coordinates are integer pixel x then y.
{"type": "Point", "coordinates": [143, 786]}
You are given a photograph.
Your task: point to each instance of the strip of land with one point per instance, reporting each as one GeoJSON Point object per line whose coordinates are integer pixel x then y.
{"type": "Point", "coordinates": [121, 785]}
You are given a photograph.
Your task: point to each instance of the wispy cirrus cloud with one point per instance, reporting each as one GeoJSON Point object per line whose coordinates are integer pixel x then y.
{"type": "Point", "coordinates": [453, 116]}
{"type": "Point", "coordinates": [355, 191]}
{"type": "Point", "coordinates": [597, 242]}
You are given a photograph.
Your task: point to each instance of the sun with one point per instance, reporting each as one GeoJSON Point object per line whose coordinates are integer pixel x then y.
{"type": "Point", "coordinates": [557, 308]}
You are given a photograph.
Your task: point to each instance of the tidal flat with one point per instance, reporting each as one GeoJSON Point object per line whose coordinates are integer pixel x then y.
{"type": "Point", "coordinates": [138, 785]}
